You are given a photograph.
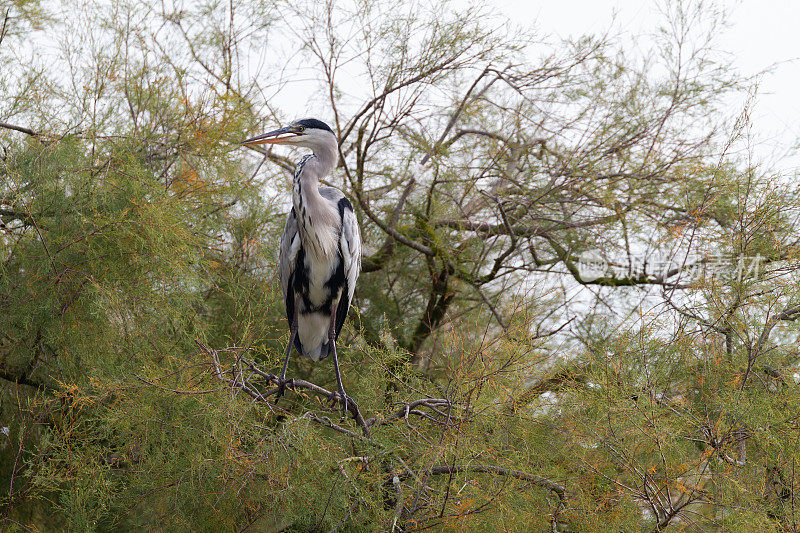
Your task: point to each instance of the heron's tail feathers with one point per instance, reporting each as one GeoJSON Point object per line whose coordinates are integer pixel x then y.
{"type": "Point", "coordinates": [312, 335]}
{"type": "Point", "coordinates": [316, 354]}
{"type": "Point", "coordinates": [319, 353]}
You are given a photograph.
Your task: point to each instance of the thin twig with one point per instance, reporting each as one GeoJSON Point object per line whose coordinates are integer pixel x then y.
{"type": "Point", "coordinates": [140, 378]}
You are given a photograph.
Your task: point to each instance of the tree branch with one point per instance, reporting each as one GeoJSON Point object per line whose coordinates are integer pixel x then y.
{"type": "Point", "coordinates": [21, 129]}
{"type": "Point", "coordinates": [24, 379]}
{"type": "Point", "coordinates": [790, 313]}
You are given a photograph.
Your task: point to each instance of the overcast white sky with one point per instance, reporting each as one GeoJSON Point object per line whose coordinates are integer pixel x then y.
{"type": "Point", "coordinates": [761, 34]}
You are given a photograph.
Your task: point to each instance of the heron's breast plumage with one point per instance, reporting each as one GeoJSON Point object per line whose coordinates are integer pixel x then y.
{"type": "Point", "coordinates": [318, 220]}
{"type": "Point", "coordinates": [318, 283]}
{"type": "Point", "coordinates": [317, 287]}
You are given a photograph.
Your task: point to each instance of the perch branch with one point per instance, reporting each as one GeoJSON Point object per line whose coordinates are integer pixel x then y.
{"type": "Point", "coordinates": [437, 410]}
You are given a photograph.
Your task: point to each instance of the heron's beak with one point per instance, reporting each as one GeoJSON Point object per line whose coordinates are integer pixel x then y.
{"type": "Point", "coordinates": [273, 137]}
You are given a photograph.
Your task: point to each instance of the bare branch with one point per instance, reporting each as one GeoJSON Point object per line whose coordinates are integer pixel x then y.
{"type": "Point", "coordinates": [20, 129]}
{"type": "Point", "coordinates": [790, 313]}
{"type": "Point", "coordinates": [24, 379]}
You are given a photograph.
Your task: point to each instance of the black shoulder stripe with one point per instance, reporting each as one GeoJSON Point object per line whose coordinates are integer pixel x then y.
{"type": "Point", "coordinates": [343, 204]}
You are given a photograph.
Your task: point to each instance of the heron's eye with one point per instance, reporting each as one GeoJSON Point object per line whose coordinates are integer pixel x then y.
{"type": "Point", "coordinates": [300, 128]}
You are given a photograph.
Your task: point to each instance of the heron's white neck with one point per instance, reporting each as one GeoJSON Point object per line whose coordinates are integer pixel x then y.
{"type": "Point", "coordinates": [319, 218]}
{"type": "Point", "coordinates": [327, 152]}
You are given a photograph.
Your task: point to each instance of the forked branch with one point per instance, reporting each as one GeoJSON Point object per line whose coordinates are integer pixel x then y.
{"type": "Point", "coordinates": [246, 376]}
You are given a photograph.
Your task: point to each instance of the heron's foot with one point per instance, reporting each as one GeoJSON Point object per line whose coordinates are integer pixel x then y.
{"type": "Point", "coordinates": [347, 402]}
{"type": "Point", "coordinates": [282, 382]}
{"type": "Point", "coordinates": [334, 397]}
{"type": "Point", "coordinates": [344, 400]}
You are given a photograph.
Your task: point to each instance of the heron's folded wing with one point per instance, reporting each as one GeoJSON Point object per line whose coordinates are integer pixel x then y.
{"type": "Point", "coordinates": [351, 247]}
{"type": "Point", "coordinates": [290, 243]}
{"type": "Point", "coordinates": [350, 239]}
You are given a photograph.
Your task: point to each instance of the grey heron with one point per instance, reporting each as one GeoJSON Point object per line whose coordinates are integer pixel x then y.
{"type": "Point", "coordinates": [320, 251]}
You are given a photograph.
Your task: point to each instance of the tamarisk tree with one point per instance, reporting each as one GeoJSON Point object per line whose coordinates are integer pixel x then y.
{"type": "Point", "coordinates": [578, 301]}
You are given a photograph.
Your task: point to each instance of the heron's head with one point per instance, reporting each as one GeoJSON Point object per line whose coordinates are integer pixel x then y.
{"type": "Point", "coordinates": [308, 132]}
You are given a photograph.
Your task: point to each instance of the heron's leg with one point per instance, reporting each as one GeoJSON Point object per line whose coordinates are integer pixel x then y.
{"type": "Point", "coordinates": [332, 340]}
{"type": "Point", "coordinates": [282, 381]}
